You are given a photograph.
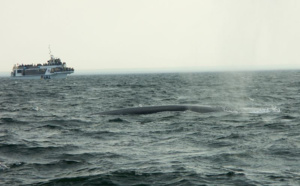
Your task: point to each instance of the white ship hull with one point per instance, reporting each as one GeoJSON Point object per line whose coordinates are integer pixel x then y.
{"type": "Point", "coordinates": [49, 76]}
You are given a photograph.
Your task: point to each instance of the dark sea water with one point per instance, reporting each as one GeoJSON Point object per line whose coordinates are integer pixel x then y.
{"type": "Point", "coordinates": [49, 134]}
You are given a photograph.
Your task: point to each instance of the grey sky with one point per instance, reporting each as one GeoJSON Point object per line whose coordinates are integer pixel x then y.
{"type": "Point", "coordinates": [129, 34]}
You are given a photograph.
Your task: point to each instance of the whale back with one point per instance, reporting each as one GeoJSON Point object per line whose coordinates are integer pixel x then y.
{"type": "Point", "coordinates": [164, 108]}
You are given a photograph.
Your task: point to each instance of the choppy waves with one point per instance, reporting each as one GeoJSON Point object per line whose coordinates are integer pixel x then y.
{"type": "Point", "coordinates": [49, 136]}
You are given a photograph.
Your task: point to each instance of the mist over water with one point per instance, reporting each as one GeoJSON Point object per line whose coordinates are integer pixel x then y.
{"type": "Point", "coordinates": [49, 135]}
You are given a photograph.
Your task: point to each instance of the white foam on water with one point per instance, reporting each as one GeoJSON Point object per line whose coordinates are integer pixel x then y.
{"type": "Point", "coordinates": [2, 166]}
{"type": "Point", "coordinates": [254, 110]}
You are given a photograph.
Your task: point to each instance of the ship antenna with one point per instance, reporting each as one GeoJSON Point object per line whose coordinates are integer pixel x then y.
{"type": "Point", "coordinates": [50, 51]}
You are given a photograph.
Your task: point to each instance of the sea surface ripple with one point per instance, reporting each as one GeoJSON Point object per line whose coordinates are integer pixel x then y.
{"type": "Point", "coordinates": [49, 134]}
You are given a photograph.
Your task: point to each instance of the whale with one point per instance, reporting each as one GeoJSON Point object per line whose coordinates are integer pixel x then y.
{"type": "Point", "coordinates": [163, 108]}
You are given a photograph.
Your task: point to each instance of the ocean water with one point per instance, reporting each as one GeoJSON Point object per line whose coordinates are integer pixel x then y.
{"type": "Point", "coordinates": [51, 134]}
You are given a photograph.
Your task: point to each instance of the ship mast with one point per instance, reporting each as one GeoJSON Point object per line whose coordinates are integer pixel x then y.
{"type": "Point", "coordinates": [51, 56]}
{"type": "Point", "coordinates": [50, 52]}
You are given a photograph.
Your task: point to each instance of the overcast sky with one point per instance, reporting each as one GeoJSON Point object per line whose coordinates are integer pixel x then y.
{"type": "Point", "coordinates": [151, 34]}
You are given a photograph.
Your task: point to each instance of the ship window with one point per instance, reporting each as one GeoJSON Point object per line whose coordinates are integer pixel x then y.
{"type": "Point", "coordinates": [19, 71]}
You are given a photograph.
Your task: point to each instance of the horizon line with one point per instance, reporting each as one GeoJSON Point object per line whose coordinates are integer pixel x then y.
{"type": "Point", "coordinates": [169, 70]}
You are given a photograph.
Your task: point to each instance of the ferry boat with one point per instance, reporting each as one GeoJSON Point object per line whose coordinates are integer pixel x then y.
{"type": "Point", "coordinates": [53, 69]}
